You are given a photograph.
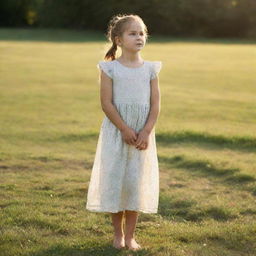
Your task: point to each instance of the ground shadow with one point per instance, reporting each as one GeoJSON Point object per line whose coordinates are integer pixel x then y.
{"type": "Point", "coordinates": [204, 140]}
{"type": "Point", "coordinates": [90, 249]}
{"type": "Point", "coordinates": [228, 176]}
{"type": "Point", "coordinates": [182, 210]}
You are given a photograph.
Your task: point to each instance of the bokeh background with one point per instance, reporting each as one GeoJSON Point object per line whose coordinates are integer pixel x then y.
{"type": "Point", "coordinates": [50, 116]}
{"type": "Point", "coordinates": [208, 18]}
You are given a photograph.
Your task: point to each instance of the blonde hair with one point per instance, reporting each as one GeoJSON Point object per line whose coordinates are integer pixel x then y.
{"type": "Point", "coordinates": [116, 27]}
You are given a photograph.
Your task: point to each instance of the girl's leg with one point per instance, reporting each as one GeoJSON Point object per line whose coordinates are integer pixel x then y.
{"type": "Point", "coordinates": [131, 218]}
{"type": "Point", "coordinates": [117, 221]}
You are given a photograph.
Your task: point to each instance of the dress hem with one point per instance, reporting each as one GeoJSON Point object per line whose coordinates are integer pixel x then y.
{"type": "Point", "coordinates": [119, 210]}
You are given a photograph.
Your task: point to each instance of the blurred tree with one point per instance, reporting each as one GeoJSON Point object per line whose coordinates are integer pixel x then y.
{"type": "Point", "coordinates": [211, 18]}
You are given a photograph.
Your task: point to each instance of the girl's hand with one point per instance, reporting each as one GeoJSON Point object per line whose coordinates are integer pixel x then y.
{"type": "Point", "coordinates": [129, 135]}
{"type": "Point", "coordinates": [142, 140]}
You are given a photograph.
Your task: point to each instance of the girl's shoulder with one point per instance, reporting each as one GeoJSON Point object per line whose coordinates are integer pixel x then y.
{"type": "Point", "coordinates": [107, 63]}
{"type": "Point", "coordinates": [154, 63]}
{"type": "Point", "coordinates": [155, 67]}
{"type": "Point", "coordinates": [106, 66]}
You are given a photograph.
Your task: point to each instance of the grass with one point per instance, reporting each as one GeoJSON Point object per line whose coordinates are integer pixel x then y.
{"type": "Point", "coordinates": [50, 120]}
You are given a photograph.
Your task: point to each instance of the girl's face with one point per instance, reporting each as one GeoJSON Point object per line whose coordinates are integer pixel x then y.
{"type": "Point", "coordinates": [133, 38]}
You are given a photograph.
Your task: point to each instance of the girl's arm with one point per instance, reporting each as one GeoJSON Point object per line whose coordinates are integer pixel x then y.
{"type": "Point", "coordinates": [155, 99]}
{"type": "Point", "coordinates": [106, 102]}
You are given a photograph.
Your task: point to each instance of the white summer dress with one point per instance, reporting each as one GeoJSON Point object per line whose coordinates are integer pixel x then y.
{"type": "Point", "coordinates": [124, 177]}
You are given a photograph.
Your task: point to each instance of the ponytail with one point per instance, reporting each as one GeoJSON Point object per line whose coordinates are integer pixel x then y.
{"type": "Point", "coordinates": [111, 54]}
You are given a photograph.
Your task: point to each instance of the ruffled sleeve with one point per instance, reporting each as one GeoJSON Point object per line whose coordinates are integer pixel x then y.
{"type": "Point", "coordinates": [106, 67]}
{"type": "Point", "coordinates": [156, 67]}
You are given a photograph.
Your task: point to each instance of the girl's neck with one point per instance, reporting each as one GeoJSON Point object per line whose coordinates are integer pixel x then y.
{"type": "Point", "coordinates": [130, 58]}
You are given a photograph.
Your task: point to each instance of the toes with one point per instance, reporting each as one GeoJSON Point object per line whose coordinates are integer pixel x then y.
{"type": "Point", "coordinates": [134, 248]}
{"type": "Point", "coordinates": [118, 247]}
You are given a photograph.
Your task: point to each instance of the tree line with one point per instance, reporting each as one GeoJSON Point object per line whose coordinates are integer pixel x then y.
{"type": "Point", "coordinates": [208, 18]}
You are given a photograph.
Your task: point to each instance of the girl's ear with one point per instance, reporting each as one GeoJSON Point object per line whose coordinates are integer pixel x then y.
{"type": "Point", "coordinates": [117, 40]}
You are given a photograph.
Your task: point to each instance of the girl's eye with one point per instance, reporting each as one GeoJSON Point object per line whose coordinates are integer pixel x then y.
{"type": "Point", "coordinates": [142, 34]}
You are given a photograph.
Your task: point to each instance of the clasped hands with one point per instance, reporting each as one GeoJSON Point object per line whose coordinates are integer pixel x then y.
{"type": "Point", "coordinates": [139, 140]}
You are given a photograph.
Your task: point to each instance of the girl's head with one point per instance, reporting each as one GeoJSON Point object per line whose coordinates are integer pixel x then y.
{"type": "Point", "coordinates": [126, 31]}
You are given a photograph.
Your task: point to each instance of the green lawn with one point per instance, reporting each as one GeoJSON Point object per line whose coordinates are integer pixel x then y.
{"type": "Point", "coordinates": [206, 141]}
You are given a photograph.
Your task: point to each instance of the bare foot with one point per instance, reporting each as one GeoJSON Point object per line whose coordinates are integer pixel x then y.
{"type": "Point", "coordinates": [118, 242]}
{"type": "Point", "coordinates": [132, 244]}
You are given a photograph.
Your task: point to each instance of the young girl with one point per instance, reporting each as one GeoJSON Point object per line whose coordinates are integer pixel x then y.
{"type": "Point", "coordinates": [125, 174]}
